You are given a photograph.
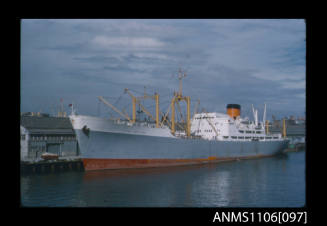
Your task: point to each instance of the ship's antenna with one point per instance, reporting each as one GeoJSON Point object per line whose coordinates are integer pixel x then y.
{"type": "Point", "coordinates": [180, 77]}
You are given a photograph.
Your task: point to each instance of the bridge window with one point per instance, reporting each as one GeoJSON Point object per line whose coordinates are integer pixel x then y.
{"type": "Point", "coordinates": [241, 131]}
{"type": "Point", "coordinates": [233, 137]}
{"type": "Point", "coordinates": [226, 137]}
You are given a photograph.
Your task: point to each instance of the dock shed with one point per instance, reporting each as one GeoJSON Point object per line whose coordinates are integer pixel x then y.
{"type": "Point", "coordinates": [40, 134]}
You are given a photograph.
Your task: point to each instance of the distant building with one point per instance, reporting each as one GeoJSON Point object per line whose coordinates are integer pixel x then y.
{"type": "Point", "coordinates": [42, 133]}
{"type": "Point", "coordinates": [35, 114]}
{"type": "Point", "coordinates": [294, 127]}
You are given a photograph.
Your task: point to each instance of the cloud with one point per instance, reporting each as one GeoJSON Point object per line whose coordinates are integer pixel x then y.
{"type": "Point", "coordinates": [241, 61]}
{"type": "Point", "coordinates": [126, 42]}
{"type": "Point", "coordinates": [294, 85]}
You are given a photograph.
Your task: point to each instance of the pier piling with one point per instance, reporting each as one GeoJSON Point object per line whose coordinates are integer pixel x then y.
{"type": "Point", "coordinates": [42, 167]}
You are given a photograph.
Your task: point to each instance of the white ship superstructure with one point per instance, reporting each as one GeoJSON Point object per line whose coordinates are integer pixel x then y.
{"type": "Point", "coordinates": [219, 126]}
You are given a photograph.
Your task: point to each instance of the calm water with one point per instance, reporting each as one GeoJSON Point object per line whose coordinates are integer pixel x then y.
{"type": "Point", "coordinates": [267, 182]}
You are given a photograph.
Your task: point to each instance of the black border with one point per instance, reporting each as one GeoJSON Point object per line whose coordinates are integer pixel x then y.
{"type": "Point", "coordinates": [165, 215]}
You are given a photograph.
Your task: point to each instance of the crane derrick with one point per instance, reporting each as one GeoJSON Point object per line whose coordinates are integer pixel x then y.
{"type": "Point", "coordinates": [114, 108]}
{"type": "Point", "coordinates": [136, 100]}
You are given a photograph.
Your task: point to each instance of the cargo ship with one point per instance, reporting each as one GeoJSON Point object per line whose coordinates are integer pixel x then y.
{"type": "Point", "coordinates": [206, 137]}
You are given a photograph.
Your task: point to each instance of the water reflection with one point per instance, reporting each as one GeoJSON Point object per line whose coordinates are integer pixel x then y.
{"type": "Point", "coordinates": [277, 181]}
{"type": "Point", "coordinates": [50, 190]}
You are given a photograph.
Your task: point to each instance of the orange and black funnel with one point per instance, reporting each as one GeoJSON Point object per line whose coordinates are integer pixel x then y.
{"type": "Point", "coordinates": [233, 110]}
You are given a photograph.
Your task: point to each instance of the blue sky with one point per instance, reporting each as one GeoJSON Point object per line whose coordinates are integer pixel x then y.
{"type": "Point", "coordinates": [250, 61]}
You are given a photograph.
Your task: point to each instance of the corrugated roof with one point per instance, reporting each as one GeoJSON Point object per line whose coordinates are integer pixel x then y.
{"type": "Point", "coordinates": [34, 122]}
{"type": "Point", "coordinates": [51, 131]}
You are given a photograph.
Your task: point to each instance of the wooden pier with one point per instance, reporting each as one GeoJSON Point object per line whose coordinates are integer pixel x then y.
{"type": "Point", "coordinates": [51, 166]}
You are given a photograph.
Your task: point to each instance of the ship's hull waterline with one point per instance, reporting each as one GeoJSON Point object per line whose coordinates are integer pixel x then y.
{"type": "Point", "coordinates": [108, 145]}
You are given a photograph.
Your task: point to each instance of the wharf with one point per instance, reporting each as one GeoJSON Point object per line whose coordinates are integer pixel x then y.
{"type": "Point", "coordinates": [295, 147]}
{"type": "Point", "coordinates": [51, 166]}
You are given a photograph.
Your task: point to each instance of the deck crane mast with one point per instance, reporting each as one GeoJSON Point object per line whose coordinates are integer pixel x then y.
{"type": "Point", "coordinates": [136, 100]}
{"type": "Point", "coordinates": [177, 98]}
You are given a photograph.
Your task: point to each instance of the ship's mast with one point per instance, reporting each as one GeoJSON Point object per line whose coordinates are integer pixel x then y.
{"type": "Point", "coordinates": [177, 98]}
{"type": "Point", "coordinates": [265, 122]}
{"type": "Point", "coordinates": [284, 128]}
{"type": "Point", "coordinates": [180, 77]}
{"type": "Point", "coordinates": [72, 108]}
{"type": "Point", "coordinates": [264, 115]}
{"type": "Point", "coordinates": [255, 116]}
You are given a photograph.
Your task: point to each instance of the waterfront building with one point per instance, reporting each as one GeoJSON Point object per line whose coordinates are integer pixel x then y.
{"type": "Point", "coordinates": [41, 133]}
